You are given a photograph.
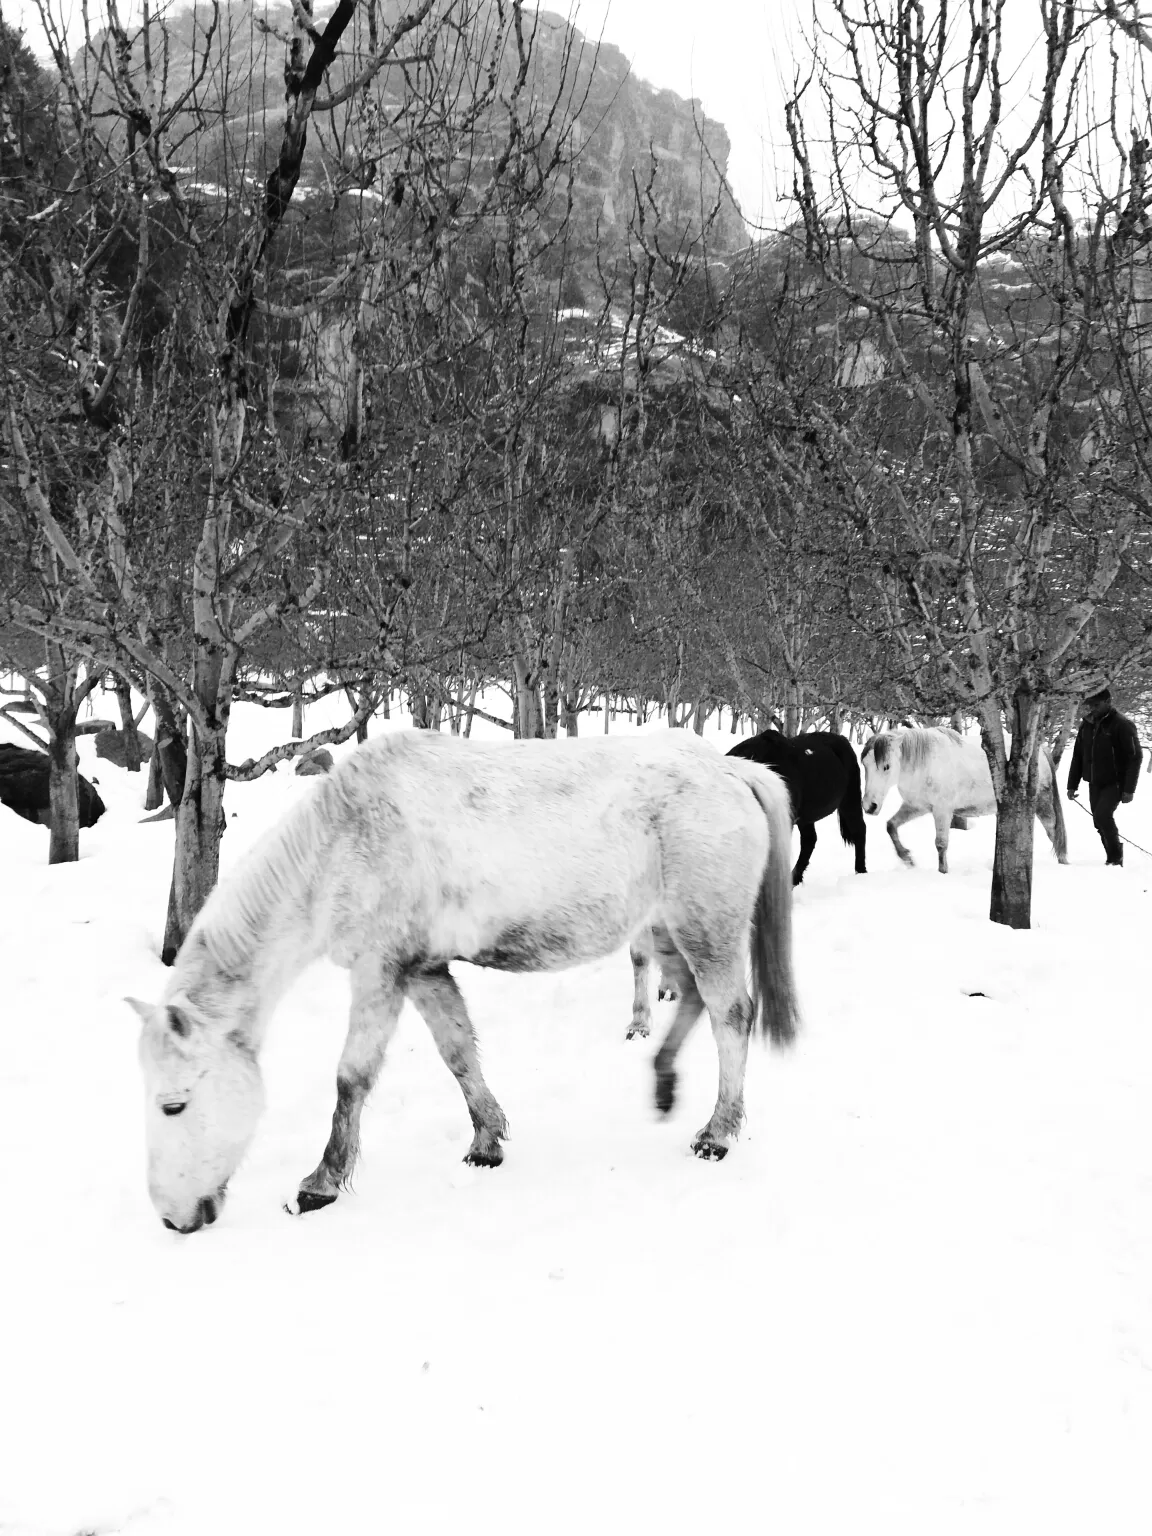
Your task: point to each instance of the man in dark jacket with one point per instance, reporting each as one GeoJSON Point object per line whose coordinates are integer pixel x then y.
{"type": "Point", "coordinates": [1107, 754]}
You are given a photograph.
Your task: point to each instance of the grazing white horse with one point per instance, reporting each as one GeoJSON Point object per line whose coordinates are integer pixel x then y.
{"type": "Point", "coordinates": [942, 774]}
{"type": "Point", "coordinates": [421, 849]}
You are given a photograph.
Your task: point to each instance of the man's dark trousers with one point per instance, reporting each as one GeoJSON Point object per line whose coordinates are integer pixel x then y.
{"type": "Point", "coordinates": [1104, 802]}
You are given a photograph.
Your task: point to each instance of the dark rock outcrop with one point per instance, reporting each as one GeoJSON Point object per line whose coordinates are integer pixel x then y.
{"type": "Point", "coordinates": [110, 745]}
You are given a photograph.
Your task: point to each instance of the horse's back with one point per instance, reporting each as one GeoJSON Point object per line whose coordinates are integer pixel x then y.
{"type": "Point", "coordinates": [530, 855]}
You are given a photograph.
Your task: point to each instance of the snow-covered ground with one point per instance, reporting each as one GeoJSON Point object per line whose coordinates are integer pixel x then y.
{"type": "Point", "coordinates": [916, 1297]}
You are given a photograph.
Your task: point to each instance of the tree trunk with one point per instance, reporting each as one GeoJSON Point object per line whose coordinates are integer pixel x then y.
{"type": "Point", "coordinates": [298, 714]}
{"type": "Point", "coordinates": [1012, 862]}
{"type": "Point", "coordinates": [1016, 778]}
{"type": "Point", "coordinates": [154, 794]}
{"type": "Point", "coordinates": [133, 757]}
{"type": "Point", "coordinates": [362, 727]}
{"type": "Point", "coordinates": [63, 793]}
{"type": "Point", "coordinates": [529, 721]}
{"type": "Point", "coordinates": [470, 712]}
{"type": "Point", "coordinates": [199, 828]}
{"type": "Point", "coordinates": [793, 707]}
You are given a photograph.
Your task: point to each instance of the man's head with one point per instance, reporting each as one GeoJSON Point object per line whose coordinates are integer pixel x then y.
{"type": "Point", "coordinates": [1096, 704]}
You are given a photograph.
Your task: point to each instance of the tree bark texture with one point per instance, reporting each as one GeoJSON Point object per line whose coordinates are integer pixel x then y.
{"type": "Point", "coordinates": [1011, 902]}
{"type": "Point", "coordinates": [63, 793]}
{"type": "Point", "coordinates": [199, 828]}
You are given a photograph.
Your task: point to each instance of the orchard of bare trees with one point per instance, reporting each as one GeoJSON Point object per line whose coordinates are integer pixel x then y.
{"type": "Point", "coordinates": [332, 365]}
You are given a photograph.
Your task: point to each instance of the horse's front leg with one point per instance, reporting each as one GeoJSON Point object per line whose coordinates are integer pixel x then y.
{"type": "Point", "coordinates": [438, 999]}
{"type": "Point", "coordinates": [905, 814]}
{"type": "Point", "coordinates": [641, 1005]}
{"type": "Point", "coordinates": [376, 1002]}
{"type": "Point", "coordinates": [943, 820]}
{"type": "Point", "coordinates": [807, 846]}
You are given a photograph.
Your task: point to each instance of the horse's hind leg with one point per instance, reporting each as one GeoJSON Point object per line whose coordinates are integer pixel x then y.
{"type": "Point", "coordinates": [730, 1010]}
{"type": "Point", "coordinates": [442, 1008]}
{"type": "Point", "coordinates": [807, 845]}
{"type": "Point", "coordinates": [376, 1003]}
{"type": "Point", "coordinates": [688, 1009]}
{"type": "Point", "coordinates": [641, 1006]}
{"type": "Point", "coordinates": [943, 819]}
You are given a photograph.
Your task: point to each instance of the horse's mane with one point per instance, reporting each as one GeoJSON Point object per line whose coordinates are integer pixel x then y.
{"type": "Point", "coordinates": [917, 746]}
{"type": "Point", "coordinates": [279, 867]}
{"type": "Point", "coordinates": [914, 745]}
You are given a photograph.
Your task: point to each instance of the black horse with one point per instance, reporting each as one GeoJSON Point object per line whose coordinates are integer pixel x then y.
{"type": "Point", "coordinates": [24, 787]}
{"type": "Point", "coordinates": [822, 773]}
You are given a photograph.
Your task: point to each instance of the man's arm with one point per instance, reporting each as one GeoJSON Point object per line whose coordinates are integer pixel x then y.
{"type": "Point", "coordinates": [1076, 765]}
{"type": "Point", "coordinates": [1132, 756]}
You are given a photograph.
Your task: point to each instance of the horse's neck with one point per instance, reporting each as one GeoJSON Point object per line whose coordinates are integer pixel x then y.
{"type": "Point", "coordinates": [258, 936]}
{"type": "Point", "coordinates": [289, 951]}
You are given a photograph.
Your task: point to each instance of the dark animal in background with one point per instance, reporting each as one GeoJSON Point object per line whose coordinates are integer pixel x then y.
{"type": "Point", "coordinates": [24, 787]}
{"type": "Point", "coordinates": [822, 773]}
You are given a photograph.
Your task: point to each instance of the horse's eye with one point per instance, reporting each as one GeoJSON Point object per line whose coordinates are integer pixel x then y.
{"type": "Point", "coordinates": [175, 1106]}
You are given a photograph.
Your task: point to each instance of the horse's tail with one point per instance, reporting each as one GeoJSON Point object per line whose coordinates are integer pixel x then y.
{"type": "Point", "coordinates": [773, 986]}
{"type": "Point", "coordinates": [850, 812]}
{"type": "Point", "coordinates": [1060, 838]}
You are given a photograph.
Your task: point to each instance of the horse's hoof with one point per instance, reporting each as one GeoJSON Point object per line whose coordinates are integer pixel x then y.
{"type": "Point", "coordinates": [665, 1091]}
{"type": "Point", "coordinates": [711, 1151]}
{"type": "Point", "coordinates": [638, 1032]}
{"type": "Point", "coordinates": [307, 1200]}
{"type": "Point", "coordinates": [491, 1159]}
{"type": "Point", "coordinates": [797, 879]}
{"type": "Point", "coordinates": [666, 994]}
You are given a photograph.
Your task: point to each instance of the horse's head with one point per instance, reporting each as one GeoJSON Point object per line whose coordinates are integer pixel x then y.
{"type": "Point", "coordinates": [881, 762]}
{"type": "Point", "coordinates": [202, 1097]}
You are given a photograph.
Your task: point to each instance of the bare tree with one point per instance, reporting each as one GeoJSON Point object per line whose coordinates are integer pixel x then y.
{"type": "Point", "coordinates": [994, 469]}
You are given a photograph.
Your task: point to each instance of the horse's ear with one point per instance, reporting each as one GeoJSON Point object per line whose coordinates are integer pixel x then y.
{"type": "Point", "coordinates": [143, 1009]}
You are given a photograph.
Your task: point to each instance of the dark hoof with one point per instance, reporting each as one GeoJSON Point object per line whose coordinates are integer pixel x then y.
{"type": "Point", "coordinates": [307, 1201]}
{"type": "Point", "coordinates": [665, 1091]}
{"type": "Point", "coordinates": [797, 879]}
{"type": "Point", "coordinates": [709, 1150]}
{"type": "Point", "coordinates": [860, 870]}
{"type": "Point", "coordinates": [638, 1032]}
{"type": "Point", "coordinates": [484, 1159]}
{"type": "Point", "coordinates": [666, 994]}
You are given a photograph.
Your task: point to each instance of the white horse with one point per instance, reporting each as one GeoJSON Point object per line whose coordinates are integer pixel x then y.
{"type": "Point", "coordinates": [421, 849]}
{"type": "Point", "coordinates": [942, 774]}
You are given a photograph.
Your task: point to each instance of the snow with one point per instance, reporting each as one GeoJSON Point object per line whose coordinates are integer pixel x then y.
{"type": "Point", "coordinates": [914, 1298]}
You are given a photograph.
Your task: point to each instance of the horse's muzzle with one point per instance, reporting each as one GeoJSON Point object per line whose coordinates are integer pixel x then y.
{"type": "Point", "coordinates": [206, 1213]}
